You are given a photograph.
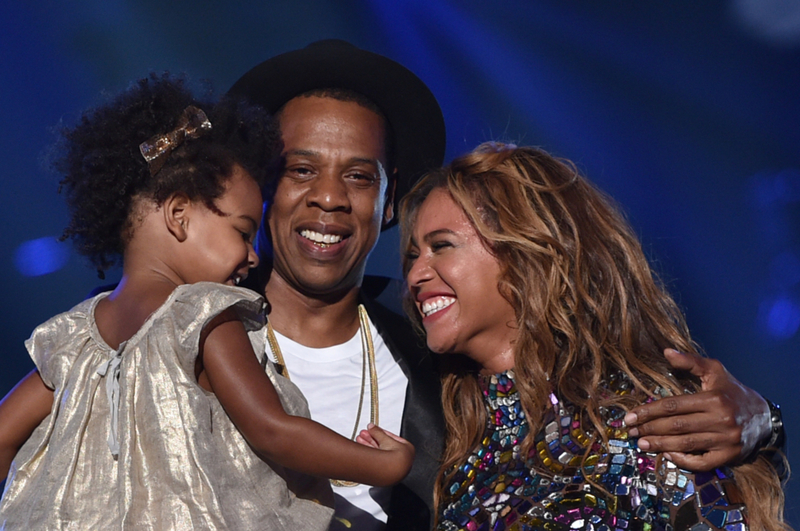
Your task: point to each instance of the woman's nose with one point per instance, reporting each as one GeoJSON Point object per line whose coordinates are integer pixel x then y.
{"type": "Point", "coordinates": [419, 272]}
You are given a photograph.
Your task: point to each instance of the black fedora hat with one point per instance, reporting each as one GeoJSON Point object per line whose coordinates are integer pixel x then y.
{"type": "Point", "coordinates": [408, 104]}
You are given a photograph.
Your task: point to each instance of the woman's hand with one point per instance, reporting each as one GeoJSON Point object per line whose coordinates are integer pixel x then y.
{"type": "Point", "coordinates": [719, 425]}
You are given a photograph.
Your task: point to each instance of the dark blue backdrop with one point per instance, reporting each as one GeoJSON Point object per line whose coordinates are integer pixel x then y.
{"type": "Point", "coordinates": [686, 112]}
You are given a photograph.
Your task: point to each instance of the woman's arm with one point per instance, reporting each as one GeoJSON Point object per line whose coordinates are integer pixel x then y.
{"type": "Point", "coordinates": [21, 411]}
{"type": "Point", "coordinates": [244, 390]}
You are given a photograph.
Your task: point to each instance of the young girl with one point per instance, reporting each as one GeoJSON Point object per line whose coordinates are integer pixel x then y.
{"type": "Point", "coordinates": [149, 408]}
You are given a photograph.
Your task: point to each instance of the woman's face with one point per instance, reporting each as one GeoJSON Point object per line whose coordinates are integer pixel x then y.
{"type": "Point", "coordinates": [453, 279]}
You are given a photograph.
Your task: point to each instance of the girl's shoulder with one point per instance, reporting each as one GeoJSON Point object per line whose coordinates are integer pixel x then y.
{"type": "Point", "coordinates": [202, 301]}
{"type": "Point", "coordinates": [69, 326]}
{"type": "Point", "coordinates": [54, 344]}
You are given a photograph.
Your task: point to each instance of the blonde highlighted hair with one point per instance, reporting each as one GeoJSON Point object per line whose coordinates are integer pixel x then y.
{"type": "Point", "coordinates": [587, 303]}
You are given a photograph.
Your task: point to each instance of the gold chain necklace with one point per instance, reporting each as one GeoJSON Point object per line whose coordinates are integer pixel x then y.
{"type": "Point", "coordinates": [368, 351]}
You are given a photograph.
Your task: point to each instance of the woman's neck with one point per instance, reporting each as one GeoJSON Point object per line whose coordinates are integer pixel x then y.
{"type": "Point", "coordinates": [493, 352]}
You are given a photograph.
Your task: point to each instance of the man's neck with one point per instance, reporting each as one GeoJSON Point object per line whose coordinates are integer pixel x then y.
{"type": "Point", "coordinates": [313, 321]}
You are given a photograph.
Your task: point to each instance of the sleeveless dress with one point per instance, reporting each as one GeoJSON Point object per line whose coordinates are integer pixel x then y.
{"type": "Point", "coordinates": [133, 442]}
{"type": "Point", "coordinates": [497, 490]}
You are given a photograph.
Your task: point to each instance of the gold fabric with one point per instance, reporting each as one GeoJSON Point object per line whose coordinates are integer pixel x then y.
{"type": "Point", "coordinates": [182, 464]}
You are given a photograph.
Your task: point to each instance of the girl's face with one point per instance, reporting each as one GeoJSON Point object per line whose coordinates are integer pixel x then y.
{"type": "Point", "coordinates": [453, 278]}
{"type": "Point", "coordinates": [221, 247]}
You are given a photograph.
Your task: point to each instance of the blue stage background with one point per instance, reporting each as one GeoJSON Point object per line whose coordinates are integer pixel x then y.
{"type": "Point", "coordinates": [688, 113]}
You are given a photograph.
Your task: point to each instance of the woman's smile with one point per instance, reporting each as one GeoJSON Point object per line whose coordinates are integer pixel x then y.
{"type": "Point", "coordinates": [453, 277]}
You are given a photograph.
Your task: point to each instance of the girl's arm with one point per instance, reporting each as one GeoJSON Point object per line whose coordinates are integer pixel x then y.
{"type": "Point", "coordinates": [237, 379]}
{"type": "Point", "coordinates": [21, 411]}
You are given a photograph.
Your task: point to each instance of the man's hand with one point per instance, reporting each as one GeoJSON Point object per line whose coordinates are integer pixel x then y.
{"type": "Point", "coordinates": [719, 425]}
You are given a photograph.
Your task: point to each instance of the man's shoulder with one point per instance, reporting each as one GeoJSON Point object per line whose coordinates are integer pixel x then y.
{"type": "Point", "coordinates": [385, 291]}
{"type": "Point", "coordinates": [382, 297]}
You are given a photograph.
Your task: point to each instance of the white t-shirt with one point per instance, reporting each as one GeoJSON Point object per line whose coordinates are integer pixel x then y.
{"type": "Point", "coordinates": [330, 379]}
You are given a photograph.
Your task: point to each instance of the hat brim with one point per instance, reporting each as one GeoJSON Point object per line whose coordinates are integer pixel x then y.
{"type": "Point", "coordinates": [408, 104]}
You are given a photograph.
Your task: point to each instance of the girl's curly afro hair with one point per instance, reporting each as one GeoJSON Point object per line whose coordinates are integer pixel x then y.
{"type": "Point", "coordinates": [104, 172]}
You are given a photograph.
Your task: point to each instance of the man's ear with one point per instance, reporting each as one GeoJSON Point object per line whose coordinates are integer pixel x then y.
{"type": "Point", "coordinates": [177, 210]}
{"type": "Point", "coordinates": [388, 208]}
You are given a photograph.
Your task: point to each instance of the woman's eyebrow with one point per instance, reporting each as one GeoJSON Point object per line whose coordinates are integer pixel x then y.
{"type": "Point", "coordinates": [434, 233]}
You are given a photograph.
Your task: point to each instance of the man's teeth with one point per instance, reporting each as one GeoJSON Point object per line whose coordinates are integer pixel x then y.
{"type": "Point", "coordinates": [318, 237]}
{"type": "Point", "coordinates": [432, 306]}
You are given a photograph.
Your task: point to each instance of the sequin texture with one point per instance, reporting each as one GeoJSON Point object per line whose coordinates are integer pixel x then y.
{"type": "Point", "coordinates": [497, 490]}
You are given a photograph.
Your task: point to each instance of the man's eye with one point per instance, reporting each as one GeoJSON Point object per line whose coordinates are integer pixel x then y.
{"type": "Point", "coordinates": [299, 171]}
{"type": "Point", "coordinates": [363, 177]}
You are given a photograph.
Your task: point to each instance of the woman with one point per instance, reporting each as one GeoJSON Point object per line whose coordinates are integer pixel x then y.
{"type": "Point", "coordinates": [529, 276]}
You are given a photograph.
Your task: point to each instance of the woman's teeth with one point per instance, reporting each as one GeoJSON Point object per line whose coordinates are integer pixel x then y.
{"type": "Point", "coordinates": [323, 239]}
{"type": "Point", "coordinates": [432, 306]}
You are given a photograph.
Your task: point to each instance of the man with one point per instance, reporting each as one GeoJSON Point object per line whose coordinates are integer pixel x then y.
{"type": "Point", "coordinates": [358, 130]}
{"type": "Point", "coordinates": [350, 149]}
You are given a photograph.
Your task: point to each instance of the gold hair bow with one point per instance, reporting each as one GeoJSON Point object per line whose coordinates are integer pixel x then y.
{"type": "Point", "coordinates": [192, 124]}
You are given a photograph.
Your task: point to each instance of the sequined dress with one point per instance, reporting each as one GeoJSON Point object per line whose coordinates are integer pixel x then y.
{"type": "Point", "coordinates": [180, 463]}
{"type": "Point", "coordinates": [495, 490]}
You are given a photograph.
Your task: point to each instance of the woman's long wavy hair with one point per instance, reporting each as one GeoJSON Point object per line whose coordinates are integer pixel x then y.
{"type": "Point", "coordinates": [587, 303]}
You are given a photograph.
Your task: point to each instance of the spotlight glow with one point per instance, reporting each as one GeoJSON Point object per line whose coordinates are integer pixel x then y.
{"type": "Point", "coordinates": [783, 318]}
{"type": "Point", "coordinates": [40, 257]}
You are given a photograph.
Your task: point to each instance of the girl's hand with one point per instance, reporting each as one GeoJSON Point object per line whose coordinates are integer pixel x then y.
{"type": "Point", "coordinates": [365, 438]}
{"type": "Point", "coordinates": [400, 451]}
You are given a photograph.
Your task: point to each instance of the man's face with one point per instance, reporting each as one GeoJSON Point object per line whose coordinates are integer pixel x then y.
{"type": "Point", "coordinates": [332, 196]}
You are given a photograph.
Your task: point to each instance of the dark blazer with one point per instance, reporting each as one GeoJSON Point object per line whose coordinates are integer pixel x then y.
{"type": "Point", "coordinates": [411, 504]}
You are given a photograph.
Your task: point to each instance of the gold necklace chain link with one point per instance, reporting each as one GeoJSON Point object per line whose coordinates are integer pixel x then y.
{"type": "Point", "coordinates": [368, 359]}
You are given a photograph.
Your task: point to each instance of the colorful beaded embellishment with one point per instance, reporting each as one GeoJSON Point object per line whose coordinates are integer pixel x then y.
{"type": "Point", "coordinates": [496, 490]}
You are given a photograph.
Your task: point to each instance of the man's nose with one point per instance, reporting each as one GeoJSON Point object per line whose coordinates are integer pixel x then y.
{"type": "Point", "coordinates": [329, 192]}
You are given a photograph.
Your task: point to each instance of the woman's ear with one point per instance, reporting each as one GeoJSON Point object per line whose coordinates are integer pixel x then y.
{"type": "Point", "coordinates": [177, 209]}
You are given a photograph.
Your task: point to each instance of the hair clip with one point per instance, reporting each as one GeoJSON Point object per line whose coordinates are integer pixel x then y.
{"type": "Point", "coordinates": [193, 123]}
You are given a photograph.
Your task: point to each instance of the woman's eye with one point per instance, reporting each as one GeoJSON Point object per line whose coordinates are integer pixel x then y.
{"type": "Point", "coordinates": [440, 245]}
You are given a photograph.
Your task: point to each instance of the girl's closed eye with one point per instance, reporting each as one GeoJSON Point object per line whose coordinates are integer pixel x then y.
{"type": "Point", "coordinates": [440, 244]}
